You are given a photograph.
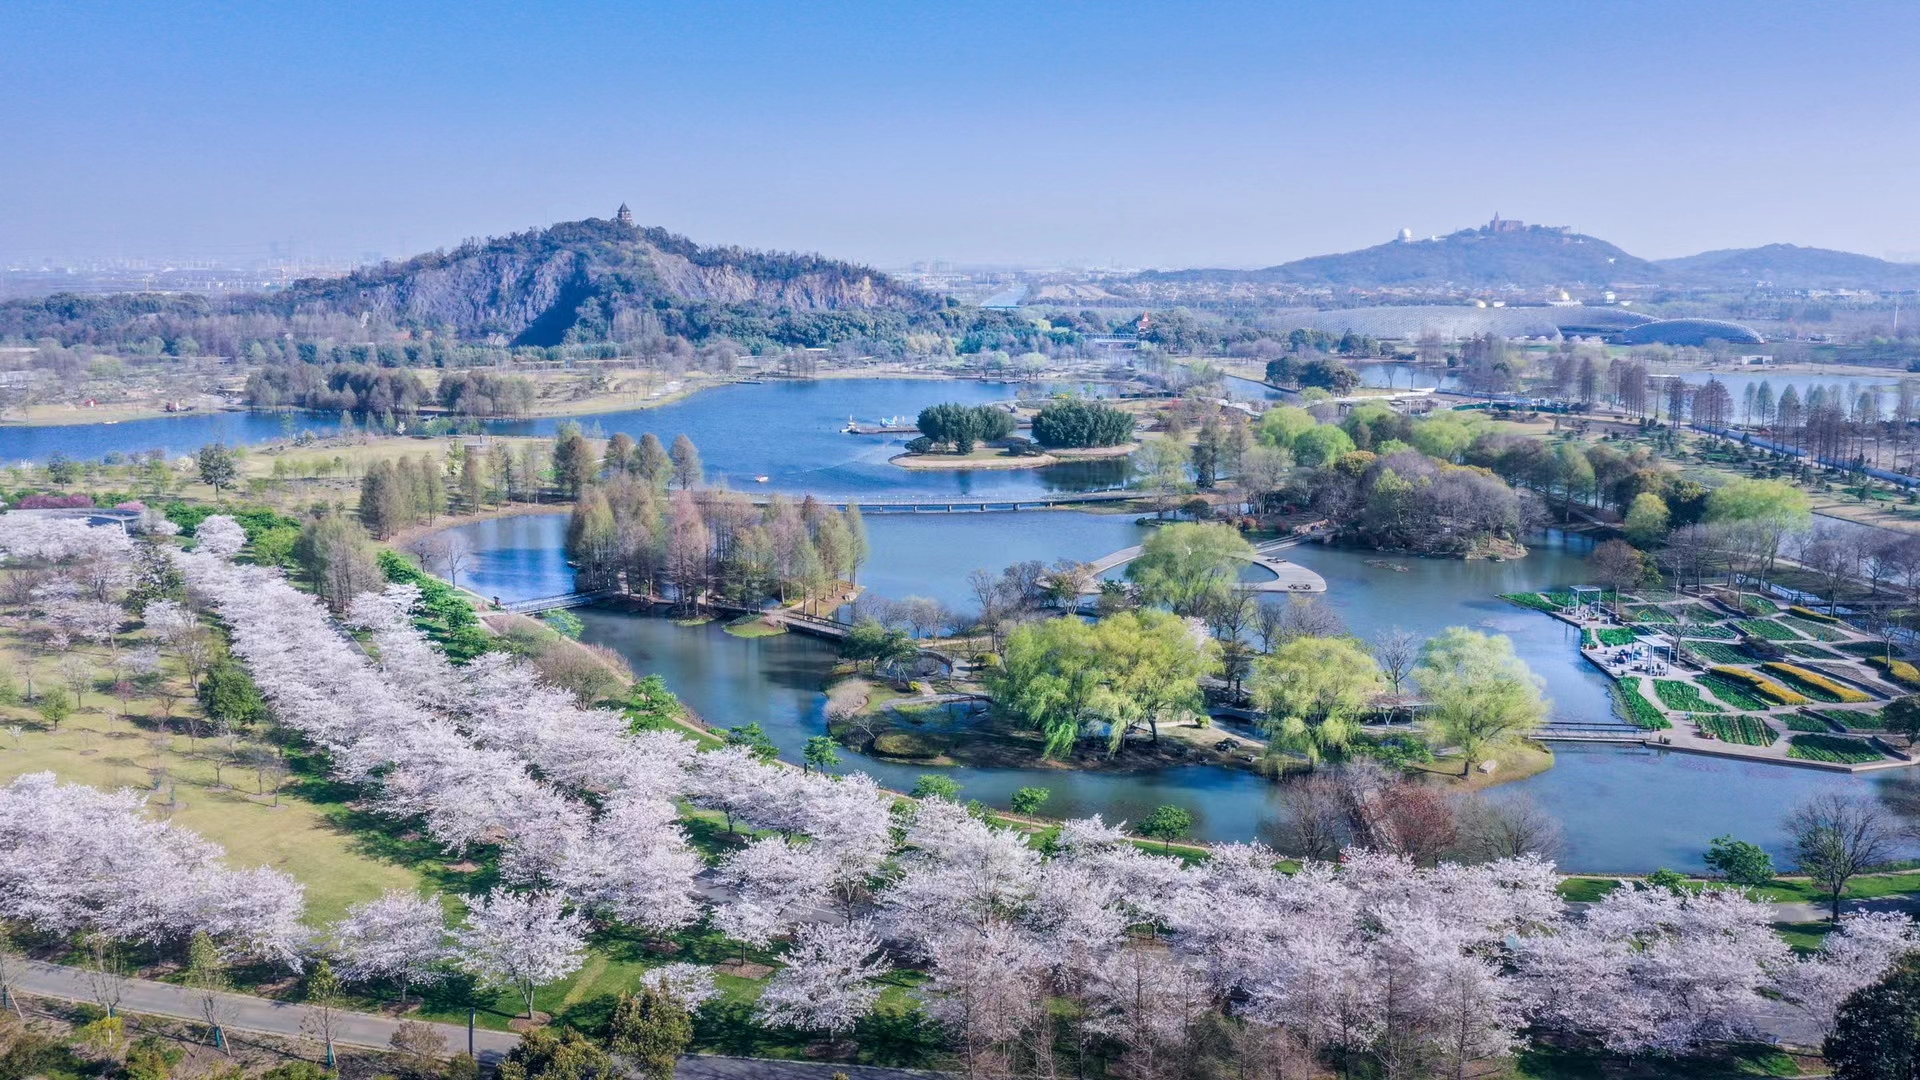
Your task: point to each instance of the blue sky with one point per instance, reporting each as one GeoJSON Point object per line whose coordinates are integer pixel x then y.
{"type": "Point", "coordinates": [1113, 133]}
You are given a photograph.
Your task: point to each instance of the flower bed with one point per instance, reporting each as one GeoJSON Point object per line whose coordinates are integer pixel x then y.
{"type": "Point", "coordinates": [1758, 605]}
{"type": "Point", "coordinates": [1615, 636]}
{"type": "Point", "coordinates": [1807, 721]}
{"type": "Point", "coordinates": [1682, 696]}
{"type": "Point", "coordinates": [1867, 649]}
{"type": "Point", "coordinates": [1814, 630]}
{"type": "Point", "coordinates": [1770, 629]}
{"type": "Point", "coordinates": [1732, 692]}
{"type": "Point", "coordinates": [1853, 719]}
{"type": "Point", "coordinates": [1815, 685]}
{"type": "Point", "coordinates": [1759, 684]}
{"type": "Point", "coordinates": [1809, 613]}
{"type": "Point", "coordinates": [1807, 650]}
{"type": "Point", "coordinates": [1715, 631]}
{"type": "Point", "coordinates": [1742, 730]}
{"type": "Point", "coordinates": [1899, 671]}
{"type": "Point", "coordinates": [1832, 748]}
{"type": "Point", "coordinates": [1640, 711]}
{"type": "Point", "coordinates": [1717, 652]}
{"type": "Point", "coordinates": [1651, 613]}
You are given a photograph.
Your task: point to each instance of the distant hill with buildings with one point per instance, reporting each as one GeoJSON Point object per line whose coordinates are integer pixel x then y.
{"type": "Point", "coordinates": [1506, 253]}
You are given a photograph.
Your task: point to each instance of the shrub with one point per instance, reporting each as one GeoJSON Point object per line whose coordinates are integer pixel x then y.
{"type": "Point", "coordinates": [1832, 748]}
{"type": "Point", "coordinates": [1614, 636]}
{"type": "Point", "coordinates": [1742, 730]}
{"type": "Point", "coordinates": [1899, 671]}
{"type": "Point", "coordinates": [1759, 684]}
{"type": "Point", "coordinates": [1816, 685]}
{"type": "Point", "coordinates": [1682, 696]}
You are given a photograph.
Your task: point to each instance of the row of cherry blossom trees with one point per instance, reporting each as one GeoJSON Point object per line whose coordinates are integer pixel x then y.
{"type": "Point", "coordinates": [1410, 970]}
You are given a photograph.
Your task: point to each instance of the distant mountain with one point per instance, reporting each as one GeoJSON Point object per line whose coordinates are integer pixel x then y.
{"type": "Point", "coordinates": [1788, 266]}
{"type": "Point", "coordinates": [1501, 253]}
{"type": "Point", "coordinates": [580, 280]}
{"type": "Point", "coordinates": [1504, 253]}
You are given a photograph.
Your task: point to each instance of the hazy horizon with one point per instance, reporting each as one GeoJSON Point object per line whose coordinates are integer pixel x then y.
{"type": "Point", "coordinates": [1136, 134]}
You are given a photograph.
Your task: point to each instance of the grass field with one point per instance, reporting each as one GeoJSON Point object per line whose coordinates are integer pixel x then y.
{"type": "Point", "coordinates": [300, 836]}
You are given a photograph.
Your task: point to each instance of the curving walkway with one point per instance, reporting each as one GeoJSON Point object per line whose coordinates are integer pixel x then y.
{"type": "Point", "coordinates": [1287, 577]}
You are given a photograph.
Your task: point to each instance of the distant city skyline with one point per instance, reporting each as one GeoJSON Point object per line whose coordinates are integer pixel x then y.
{"type": "Point", "coordinates": [1127, 134]}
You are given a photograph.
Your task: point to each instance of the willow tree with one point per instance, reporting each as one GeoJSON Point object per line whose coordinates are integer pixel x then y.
{"type": "Point", "coordinates": [1066, 676]}
{"type": "Point", "coordinates": [1189, 567]}
{"type": "Point", "coordinates": [1313, 690]}
{"type": "Point", "coordinates": [1478, 693]}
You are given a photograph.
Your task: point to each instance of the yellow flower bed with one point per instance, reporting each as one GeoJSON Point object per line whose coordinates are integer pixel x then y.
{"type": "Point", "coordinates": [1761, 685]}
{"type": "Point", "coordinates": [1814, 678]}
{"type": "Point", "coordinates": [1809, 613]}
{"type": "Point", "coordinates": [1899, 671]}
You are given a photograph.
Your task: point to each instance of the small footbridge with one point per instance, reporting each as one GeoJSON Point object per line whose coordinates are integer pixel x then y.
{"type": "Point", "coordinates": [538, 604]}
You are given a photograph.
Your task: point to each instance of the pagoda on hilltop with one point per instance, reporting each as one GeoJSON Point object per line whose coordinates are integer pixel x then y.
{"type": "Point", "coordinates": [623, 216]}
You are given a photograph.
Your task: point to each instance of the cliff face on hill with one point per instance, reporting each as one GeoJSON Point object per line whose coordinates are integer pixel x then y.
{"type": "Point", "coordinates": [579, 281]}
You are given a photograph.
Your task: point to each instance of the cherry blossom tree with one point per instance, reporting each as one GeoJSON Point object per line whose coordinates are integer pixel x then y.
{"type": "Point", "coordinates": [827, 983]}
{"type": "Point", "coordinates": [1857, 954]}
{"type": "Point", "coordinates": [520, 941]}
{"type": "Point", "coordinates": [220, 535]}
{"type": "Point", "coordinates": [399, 936]}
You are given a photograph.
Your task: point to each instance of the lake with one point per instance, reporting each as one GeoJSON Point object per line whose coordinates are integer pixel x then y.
{"type": "Point", "coordinates": [1623, 809]}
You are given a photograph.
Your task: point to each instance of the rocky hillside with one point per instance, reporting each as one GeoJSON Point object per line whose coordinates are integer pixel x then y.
{"type": "Point", "coordinates": [587, 280]}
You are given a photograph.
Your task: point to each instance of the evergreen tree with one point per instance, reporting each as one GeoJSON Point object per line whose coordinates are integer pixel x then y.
{"type": "Point", "coordinates": [652, 1030]}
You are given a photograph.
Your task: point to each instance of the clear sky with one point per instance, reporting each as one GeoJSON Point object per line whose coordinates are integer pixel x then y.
{"type": "Point", "coordinates": [1164, 134]}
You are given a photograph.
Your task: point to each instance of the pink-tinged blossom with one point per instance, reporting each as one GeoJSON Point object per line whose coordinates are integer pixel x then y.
{"type": "Point", "coordinates": [220, 535]}
{"type": "Point", "coordinates": [827, 983]}
{"type": "Point", "coordinates": [774, 884]}
{"type": "Point", "coordinates": [636, 866]}
{"type": "Point", "coordinates": [1856, 955]}
{"type": "Point", "coordinates": [1655, 969]}
{"type": "Point", "coordinates": [399, 936]}
{"type": "Point", "coordinates": [690, 984]}
{"type": "Point", "coordinates": [523, 942]}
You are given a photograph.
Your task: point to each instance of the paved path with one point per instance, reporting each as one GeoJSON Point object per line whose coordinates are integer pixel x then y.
{"type": "Point", "coordinates": [285, 1020]}
{"type": "Point", "coordinates": [246, 1012]}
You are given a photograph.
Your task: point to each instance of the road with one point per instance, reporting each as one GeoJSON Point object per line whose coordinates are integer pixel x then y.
{"type": "Point", "coordinates": [246, 1013]}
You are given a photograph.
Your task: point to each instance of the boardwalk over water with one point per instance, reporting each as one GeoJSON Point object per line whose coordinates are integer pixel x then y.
{"type": "Point", "coordinates": [962, 504]}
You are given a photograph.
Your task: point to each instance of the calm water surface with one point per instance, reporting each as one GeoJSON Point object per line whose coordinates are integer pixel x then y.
{"type": "Point", "coordinates": [1623, 809]}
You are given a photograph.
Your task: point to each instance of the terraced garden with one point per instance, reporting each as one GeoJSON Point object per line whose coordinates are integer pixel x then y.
{"type": "Point", "coordinates": [1857, 719]}
{"type": "Point", "coordinates": [1809, 651]}
{"type": "Point", "coordinates": [1742, 730]}
{"type": "Point", "coordinates": [1716, 632]}
{"type": "Point", "coordinates": [1806, 722]}
{"type": "Point", "coordinates": [1832, 748]}
{"type": "Point", "coordinates": [1757, 685]}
